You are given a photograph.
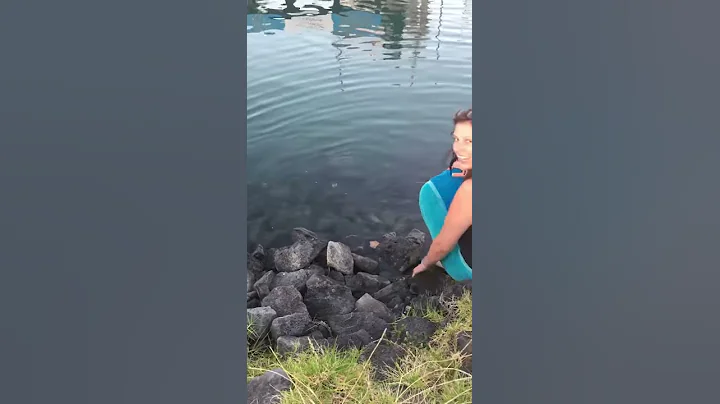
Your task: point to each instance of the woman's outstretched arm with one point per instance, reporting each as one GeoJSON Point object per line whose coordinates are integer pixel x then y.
{"type": "Point", "coordinates": [458, 220]}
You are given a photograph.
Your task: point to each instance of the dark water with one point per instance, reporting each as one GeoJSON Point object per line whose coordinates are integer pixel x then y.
{"type": "Point", "coordinates": [349, 107]}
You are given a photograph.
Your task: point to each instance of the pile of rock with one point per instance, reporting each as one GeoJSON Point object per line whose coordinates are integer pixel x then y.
{"type": "Point", "coordinates": [319, 292]}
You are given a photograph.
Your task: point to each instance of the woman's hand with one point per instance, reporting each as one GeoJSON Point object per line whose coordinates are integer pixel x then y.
{"type": "Point", "coordinates": [420, 268]}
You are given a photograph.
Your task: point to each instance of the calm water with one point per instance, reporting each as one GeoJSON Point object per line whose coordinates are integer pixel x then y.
{"type": "Point", "coordinates": [349, 107]}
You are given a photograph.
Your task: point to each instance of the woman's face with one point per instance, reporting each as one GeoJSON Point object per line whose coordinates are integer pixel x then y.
{"type": "Point", "coordinates": [462, 145]}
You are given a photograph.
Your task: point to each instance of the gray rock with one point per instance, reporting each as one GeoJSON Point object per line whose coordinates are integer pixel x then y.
{"type": "Point", "coordinates": [297, 256]}
{"type": "Point", "coordinates": [365, 283]}
{"type": "Point", "coordinates": [259, 320]}
{"type": "Point", "coordinates": [342, 324]}
{"type": "Point", "coordinates": [259, 253]}
{"type": "Point", "coordinates": [295, 279]}
{"type": "Point", "coordinates": [291, 325]}
{"type": "Point", "coordinates": [270, 259]}
{"type": "Point", "coordinates": [267, 388]}
{"type": "Point", "coordinates": [364, 264]}
{"type": "Point", "coordinates": [325, 297]}
{"type": "Point", "coordinates": [262, 286]}
{"type": "Point", "coordinates": [371, 305]}
{"type": "Point", "coordinates": [285, 300]}
{"type": "Point", "coordinates": [315, 269]}
{"type": "Point", "coordinates": [357, 339]}
{"type": "Point", "coordinates": [402, 253]}
{"type": "Point", "coordinates": [416, 236]}
{"type": "Point", "coordinates": [316, 335]}
{"type": "Point", "coordinates": [337, 277]}
{"type": "Point", "coordinates": [320, 327]}
{"type": "Point", "coordinates": [340, 258]}
{"type": "Point", "coordinates": [455, 290]}
{"type": "Point", "coordinates": [254, 265]}
{"type": "Point", "coordinates": [397, 306]}
{"type": "Point", "coordinates": [398, 289]}
{"type": "Point", "coordinates": [388, 237]}
{"type": "Point", "coordinates": [383, 355]}
{"type": "Point", "coordinates": [414, 330]}
{"type": "Point", "coordinates": [250, 281]}
{"type": "Point", "coordinates": [253, 303]}
{"type": "Point", "coordinates": [464, 346]}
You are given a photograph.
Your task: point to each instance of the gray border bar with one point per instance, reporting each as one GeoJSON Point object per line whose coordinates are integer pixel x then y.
{"type": "Point", "coordinates": [122, 202]}
{"type": "Point", "coordinates": [598, 226]}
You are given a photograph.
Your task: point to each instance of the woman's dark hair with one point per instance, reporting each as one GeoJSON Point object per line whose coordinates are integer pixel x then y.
{"type": "Point", "coordinates": [460, 117]}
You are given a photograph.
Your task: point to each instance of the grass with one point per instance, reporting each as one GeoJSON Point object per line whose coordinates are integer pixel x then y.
{"type": "Point", "coordinates": [430, 374]}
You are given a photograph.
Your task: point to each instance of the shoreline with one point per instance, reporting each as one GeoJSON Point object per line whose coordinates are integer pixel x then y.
{"type": "Point", "coordinates": [317, 293]}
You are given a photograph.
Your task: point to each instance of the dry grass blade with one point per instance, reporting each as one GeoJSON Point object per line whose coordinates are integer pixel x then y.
{"type": "Point", "coordinates": [382, 337]}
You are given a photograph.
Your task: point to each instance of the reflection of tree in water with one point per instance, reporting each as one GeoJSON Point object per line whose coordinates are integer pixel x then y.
{"type": "Point", "coordinates": [397, 24]}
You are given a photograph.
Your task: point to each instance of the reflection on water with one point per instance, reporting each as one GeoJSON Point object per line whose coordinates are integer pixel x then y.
{"type": "Point", "coordinates": [349, 106]}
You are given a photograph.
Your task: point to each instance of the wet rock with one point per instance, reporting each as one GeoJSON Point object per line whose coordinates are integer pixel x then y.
{"type": "Point", "coordinates": [303, 234]}
{"type": "Point", "coordinates": [365, 283]}
{"type": "Point", "coordinates": [365, 264]}
{"type": "Point", "coordinates": [368, 304]}
{"type": "Point", "coordinates": [416, 236]}
{"type": "Point", "coordinates": [383, 355]}
{"type": "Point", "coordinates": [259, 253]}
{"type": "Point", "coordinates": [325, 297]}
{"type": "Point", "coordinates": [267, 388]}
{"type": "Point", "coordinates": [262, 286]}
{"type": "Point", "coordinates": [388, 238]}
{"type": "Point", "coordinates": [342, 324]}
{"type": "Point", "coordinates": [339, 258]}
{"type": "Point", "coordinates": [297, 256]}
{"type": "Point", "coordinates": [291, 325]}
{"type": "Point", "coordinates": [285, 300]}
{"type": "Point", "coordinates": [259, 321]}
{"type": "Point", "coordinates": [295, 279]}
{"type": "Point", "coordinates": [414, 330]}
{"type": "Point", "coordinates": [403, 253]}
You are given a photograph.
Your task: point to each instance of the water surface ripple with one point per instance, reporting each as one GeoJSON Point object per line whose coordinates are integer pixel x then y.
{"type": "Point", "coordinates": [348, 107]}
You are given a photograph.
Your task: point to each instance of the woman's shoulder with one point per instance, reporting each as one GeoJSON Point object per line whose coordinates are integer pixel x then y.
{"type": "Point", "coordinates": [466, 188]}
{"type": "Point", "coordinates": [464, 192]}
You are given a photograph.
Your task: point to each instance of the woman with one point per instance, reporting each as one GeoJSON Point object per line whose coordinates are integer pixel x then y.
{"type": "Point", "coordinates": [457, 225]}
